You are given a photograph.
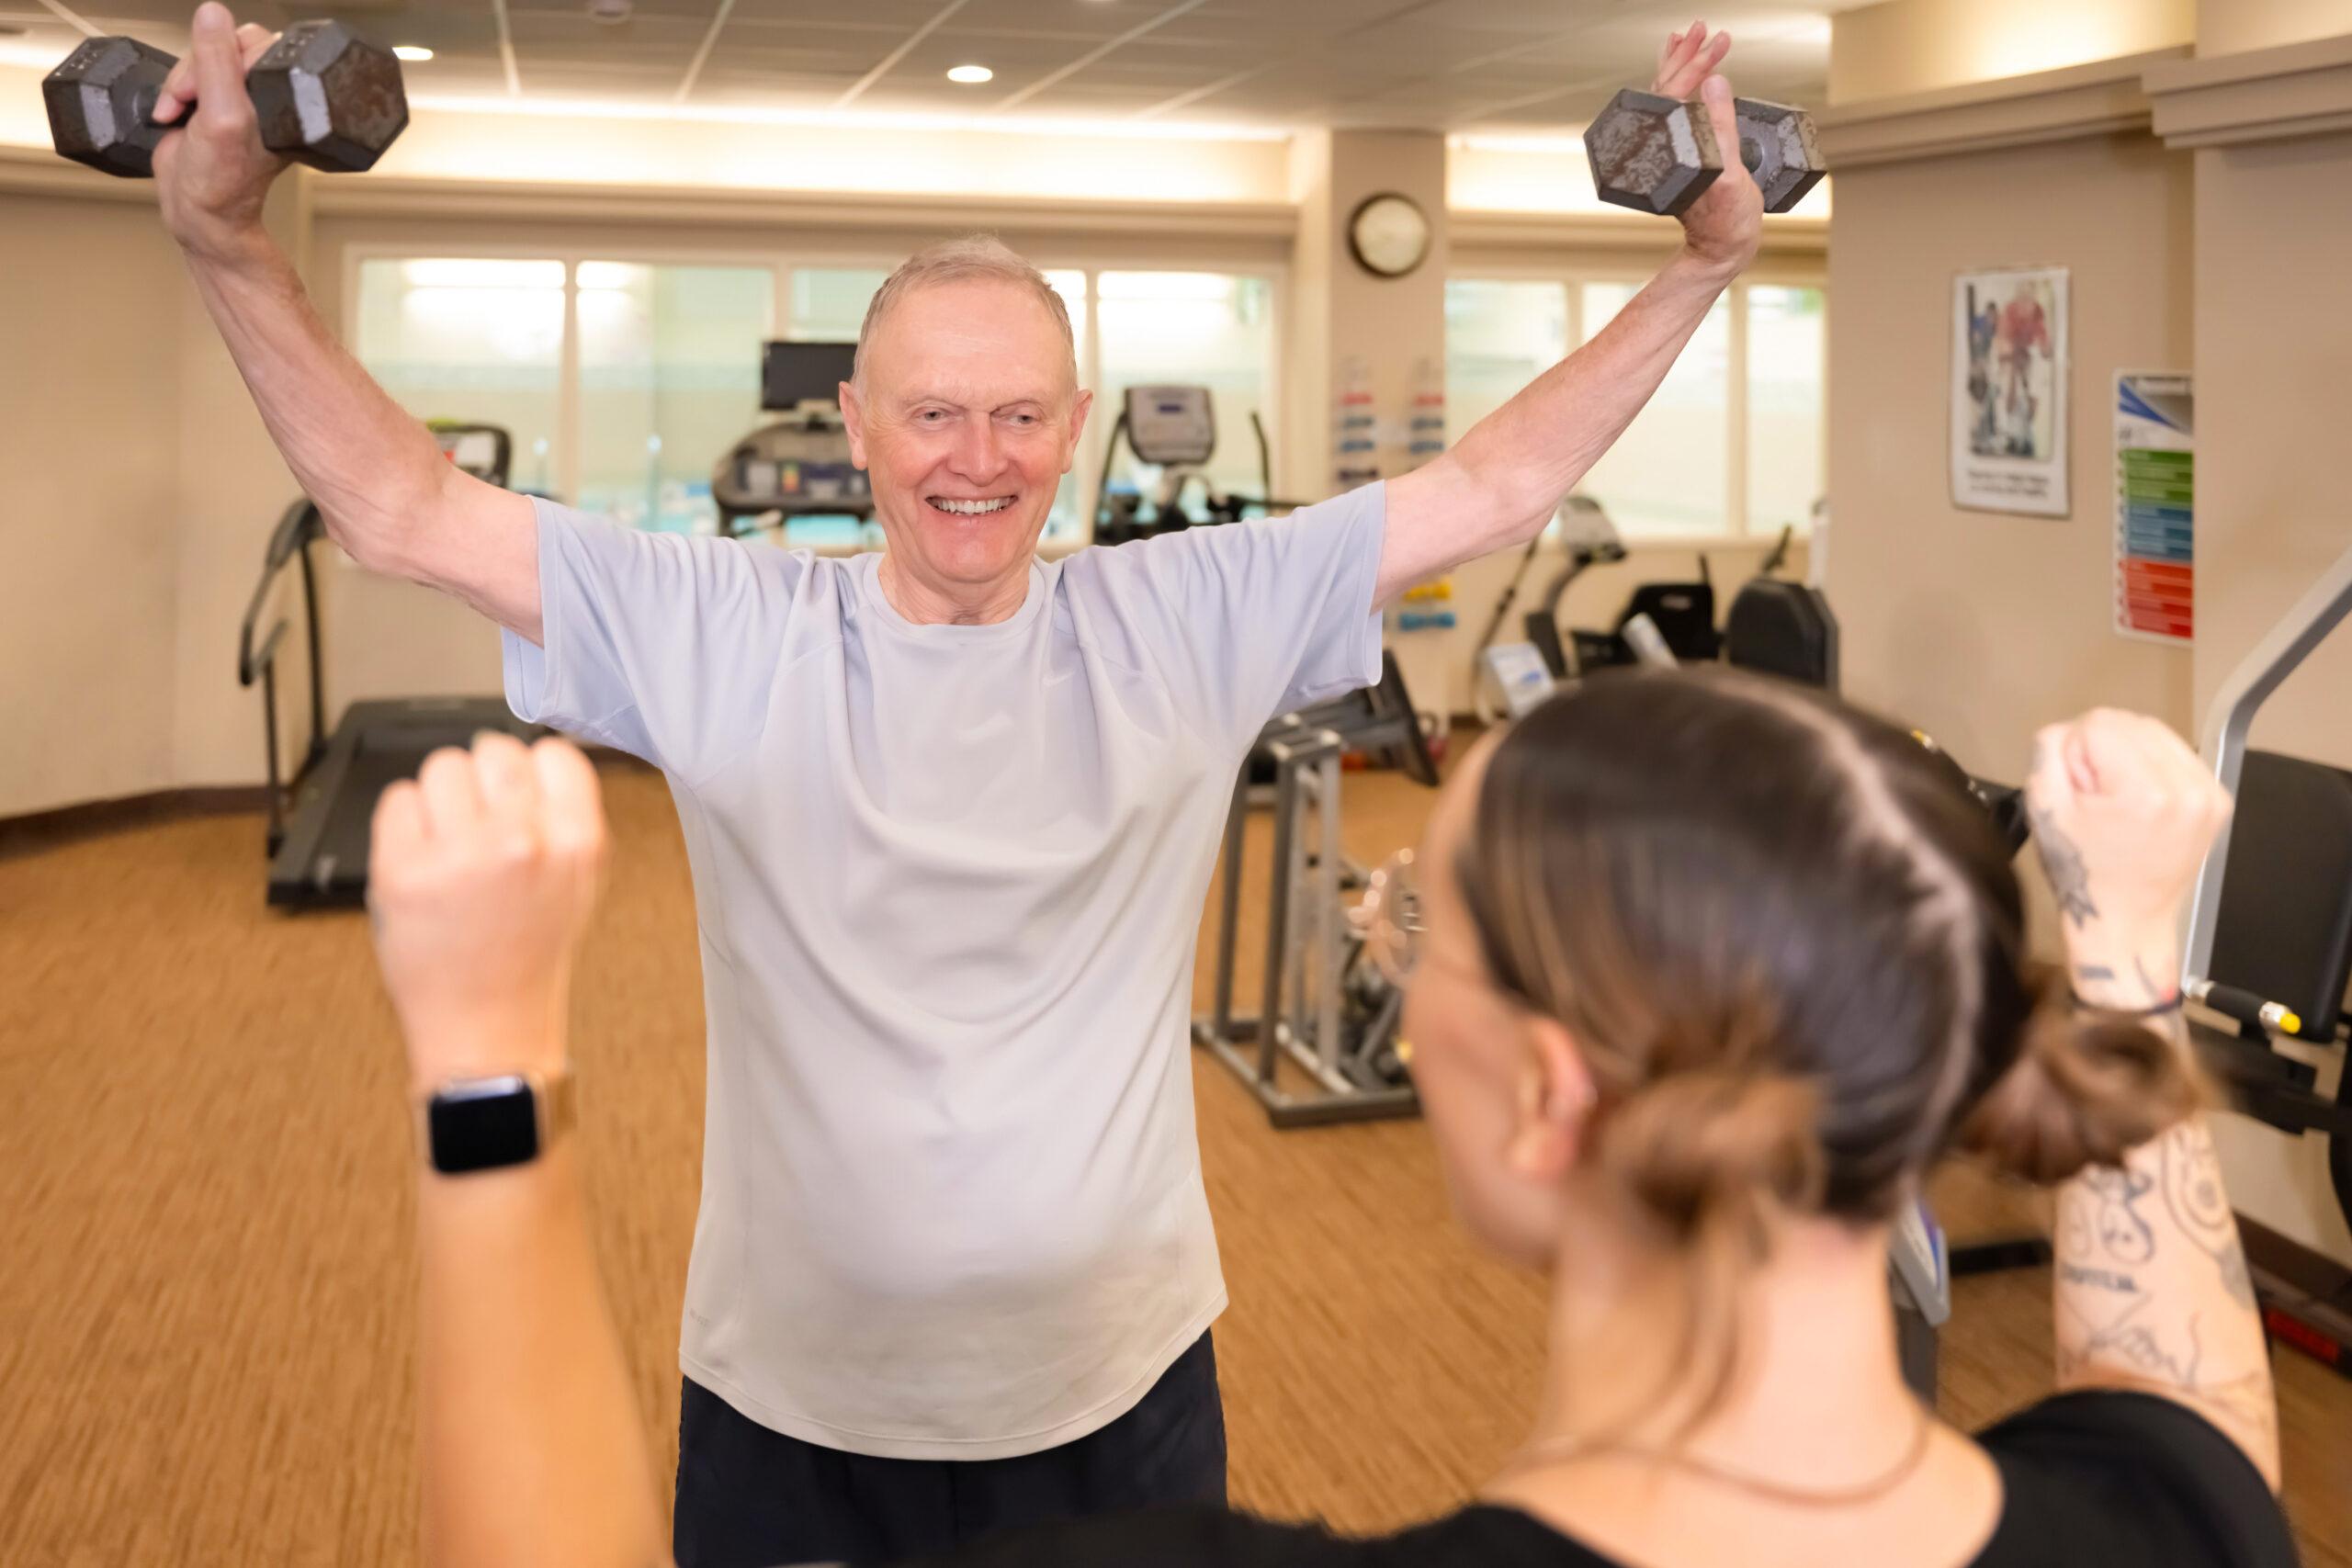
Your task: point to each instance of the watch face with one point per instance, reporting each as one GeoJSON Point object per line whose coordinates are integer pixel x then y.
{"type": "Point", "coordinates": [482, 1125]}
{"type": "Point", "coordinates": [1389, 235]}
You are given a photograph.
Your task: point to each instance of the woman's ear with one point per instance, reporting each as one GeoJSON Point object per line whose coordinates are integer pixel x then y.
{"type": "Point", "coordinates": [1555, 1101]}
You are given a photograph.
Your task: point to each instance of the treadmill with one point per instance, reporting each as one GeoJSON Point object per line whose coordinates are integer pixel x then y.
{"type": "Point", "coordinates": [320, 818]}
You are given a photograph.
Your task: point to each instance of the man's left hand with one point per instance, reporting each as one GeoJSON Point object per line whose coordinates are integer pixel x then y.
{"type": "Point", "coordinates": [1723, 227]}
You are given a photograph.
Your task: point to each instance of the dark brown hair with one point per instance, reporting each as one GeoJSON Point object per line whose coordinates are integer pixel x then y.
{"type": "Point", "coordinates": [1790, 948]}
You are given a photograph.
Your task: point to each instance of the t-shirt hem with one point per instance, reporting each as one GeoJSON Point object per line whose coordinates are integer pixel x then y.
{"type": "Point", "coordinates": [873, 1445]}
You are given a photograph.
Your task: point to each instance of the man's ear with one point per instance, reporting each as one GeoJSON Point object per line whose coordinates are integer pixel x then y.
{"type": "Point", "coordinates": [1555, 1096]}
{"type": "Point", "coordinates": [1078, 409]}
{"type": "Point", "coordinates": [854, 422]}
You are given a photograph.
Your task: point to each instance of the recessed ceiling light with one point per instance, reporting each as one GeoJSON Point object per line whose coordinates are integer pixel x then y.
{"type": "Point", "coordinates": [411, 52]}
{"type": "Point", "coordinates": [969, 73]}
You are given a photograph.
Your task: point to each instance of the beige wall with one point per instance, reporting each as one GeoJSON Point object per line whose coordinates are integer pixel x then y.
{"type": "Point", "coordinates": [1979, 626]}
{"type": "Point", "coordinates": [1918, 46]}
{"type": "Point", "coordinates": [89, 452]}
{"type": "Point", "coordinates": [2233, 27]}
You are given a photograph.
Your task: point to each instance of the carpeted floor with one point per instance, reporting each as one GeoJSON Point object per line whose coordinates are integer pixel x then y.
{"type": "Point", "coordinates": [206, 1281]}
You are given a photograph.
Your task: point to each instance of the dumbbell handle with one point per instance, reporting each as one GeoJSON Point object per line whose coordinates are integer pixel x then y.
{"type": "Point", "coordinates": [142, 103]}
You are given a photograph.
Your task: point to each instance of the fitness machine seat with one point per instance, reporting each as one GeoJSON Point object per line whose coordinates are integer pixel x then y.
{"type": "Point", "coordinates": [1684, 614]}
{"type": "Point", "coordinates": [1783, 628]}
{"type": "Point", "coordinates": [2284, 932]}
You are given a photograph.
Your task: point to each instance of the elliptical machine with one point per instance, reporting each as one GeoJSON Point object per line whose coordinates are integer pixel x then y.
{"type": "Point", "coordinates": [1173, 428]}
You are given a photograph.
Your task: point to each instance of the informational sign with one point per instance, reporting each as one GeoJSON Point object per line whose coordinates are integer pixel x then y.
{"type": "Point", "coordinates": [2155, 570]}
{"type": "Point", "coordinates": [2008, 391]}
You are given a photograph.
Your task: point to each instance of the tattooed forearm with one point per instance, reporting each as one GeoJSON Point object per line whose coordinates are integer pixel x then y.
{"type": "Point", "coordinates": [2201, 1206]}
{"type": "Point", "coordinates": [2173, 1361]}
{"type": "Point", "coordinates": [2152, 1291]}
{"type": "Point", "coordinates": [2099, 1279]}
{"type": "Point", "coordinates": [2069, 879]}
{"type": "Point", "coordinates": [2107, 1205]}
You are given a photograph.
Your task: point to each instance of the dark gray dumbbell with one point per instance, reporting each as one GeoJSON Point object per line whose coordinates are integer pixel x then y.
{"type": "Point", "coordinates": [1658, 154]}
{"type": "Point", "coordinates": [324, 96]}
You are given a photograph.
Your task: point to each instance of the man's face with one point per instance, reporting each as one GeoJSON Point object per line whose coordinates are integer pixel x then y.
{"type": "Point", "coordinates": [969, 416]}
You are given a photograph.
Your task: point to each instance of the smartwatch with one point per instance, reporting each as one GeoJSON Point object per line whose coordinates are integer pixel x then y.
{"type": "Point", "coordinates": [490, 1123]}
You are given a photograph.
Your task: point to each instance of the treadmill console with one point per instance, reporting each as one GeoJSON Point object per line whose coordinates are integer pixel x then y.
{"type": "Point", "coordinates": [1171, 426]}
{"type": "Point", "coordinates": [795, 466]}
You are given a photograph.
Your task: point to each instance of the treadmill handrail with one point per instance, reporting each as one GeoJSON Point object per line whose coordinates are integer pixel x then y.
{"type": "Point", "coordinates": [294, 531]}
{"type": "Point", "coordinates": [2259, 674]}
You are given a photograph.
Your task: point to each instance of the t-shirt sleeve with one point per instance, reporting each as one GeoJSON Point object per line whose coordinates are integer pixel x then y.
{"type": "Point", "coordinates": [661, 645]}
{"type": "Point", "coordinates": [1249, 620]}
{"type": "Point", "coordinates": [2122, 1477]}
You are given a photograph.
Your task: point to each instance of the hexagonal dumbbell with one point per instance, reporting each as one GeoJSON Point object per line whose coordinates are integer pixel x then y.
{"type": "Point", "coordinates": [324, 96]}
{"type": "Point", "coordinates": [1777, 143]}
{"type": "Point", "coordinates": [1658, 154]}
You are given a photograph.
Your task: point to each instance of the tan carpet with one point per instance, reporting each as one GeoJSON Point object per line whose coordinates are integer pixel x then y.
{"type": "Point", "coordinates": [205, 1282]}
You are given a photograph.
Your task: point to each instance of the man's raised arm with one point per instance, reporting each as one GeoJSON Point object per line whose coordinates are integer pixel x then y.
{"type": "Point", "coordinates": [386, 492]}
{"type": "Point", "coordinates": [1498, 485]}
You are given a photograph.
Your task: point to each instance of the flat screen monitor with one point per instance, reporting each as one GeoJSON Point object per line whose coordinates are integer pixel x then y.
{"type": "Point", "coordinates": [795, 372]}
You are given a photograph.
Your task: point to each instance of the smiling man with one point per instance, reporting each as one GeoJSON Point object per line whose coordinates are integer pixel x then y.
{"type": "Point", "coordinates": [950, 811]}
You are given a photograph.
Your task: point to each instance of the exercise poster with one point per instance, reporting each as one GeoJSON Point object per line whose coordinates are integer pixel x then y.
{"type": "Point", "coordinates": [2156, 475]}
{"type": "Point", "coordinates": [2008, 391]}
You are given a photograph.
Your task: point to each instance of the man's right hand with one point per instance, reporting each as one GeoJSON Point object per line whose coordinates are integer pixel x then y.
{"type": "Point", "coordinates": [213, 173]}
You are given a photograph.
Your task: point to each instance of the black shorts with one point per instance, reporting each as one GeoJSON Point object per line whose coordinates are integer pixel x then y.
{"type": "Point", "coordinates": [749, 1497]}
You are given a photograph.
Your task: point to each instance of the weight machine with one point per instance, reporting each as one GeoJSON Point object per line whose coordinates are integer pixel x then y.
{"type": "Point", "coordinates": [1326, 1012]}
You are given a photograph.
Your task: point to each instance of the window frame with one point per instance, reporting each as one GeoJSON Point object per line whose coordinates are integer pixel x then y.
{"type": "Point", "coordinates": [1572, 279]}
{"type": "Point", "coordinates": [1092, 261]}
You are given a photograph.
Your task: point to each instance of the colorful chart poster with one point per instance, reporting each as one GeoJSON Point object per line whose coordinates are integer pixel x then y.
{"type": "Point", "coordinates": [2156, 474]}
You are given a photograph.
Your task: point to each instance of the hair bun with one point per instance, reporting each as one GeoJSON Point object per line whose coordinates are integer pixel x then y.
{"type": "Point", "coordinates": [2084, 1091]}
{"type": "Point", "coordinates": [1697, 1147]}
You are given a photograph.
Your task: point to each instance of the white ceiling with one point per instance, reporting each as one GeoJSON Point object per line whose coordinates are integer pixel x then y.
{"type": "Point", "coordinates": [1512, 65]}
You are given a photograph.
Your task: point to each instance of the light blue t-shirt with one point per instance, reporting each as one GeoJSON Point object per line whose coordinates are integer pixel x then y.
{"type": "Point", "coordinates": [949, 881]}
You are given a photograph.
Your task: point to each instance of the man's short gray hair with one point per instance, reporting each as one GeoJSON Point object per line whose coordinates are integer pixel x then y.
{"type": "Point", "coordinates": [981, 257]}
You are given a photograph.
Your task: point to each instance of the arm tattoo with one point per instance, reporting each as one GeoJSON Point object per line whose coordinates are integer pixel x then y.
{"type": "Point", "coordinates": [2116, 1223]}
{"type": "Point", "coordinates": [2143, 1350]}
{"type": "Point", "coordinates": [2193, 1192]}
{"type": "Point", "coordinates": [2069, 879]}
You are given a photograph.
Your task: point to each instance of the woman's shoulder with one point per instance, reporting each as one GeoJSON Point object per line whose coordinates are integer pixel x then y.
{"type": "Point", "coordinates": [2116, 1476]}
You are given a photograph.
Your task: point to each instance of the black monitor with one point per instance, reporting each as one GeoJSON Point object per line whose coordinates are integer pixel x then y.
{"type": "Point", "coordinates": [795, 372]}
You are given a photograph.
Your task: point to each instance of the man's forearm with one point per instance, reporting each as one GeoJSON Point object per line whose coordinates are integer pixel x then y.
{"type": "Point", "coordinates": [2149, 1284]}
{"type": "Point", "coordinates": [369, 464]}
{"type": "Point", "coordinates": [1498, 485]}
{"type": "Point", "coordinates": [534, 1450]}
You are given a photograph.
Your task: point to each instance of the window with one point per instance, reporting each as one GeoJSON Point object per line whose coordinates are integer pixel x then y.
{"type": "Point", "coordinates": [1666, 473]}
{"type": "Point", "coordinates": [1209, 329]}
{"type": "Point", "coordinates": [1499, 337]}
{"type": "Point", "coordinates": [1677, 470]}
{"type": "Point", "coordinates": [668, 357]}
{"type": "Point", "coordinates": [829, 303]}
{"type": "Point", "coordinates": [478, 340]}
{"type": "Point", "coordinates": [668, 380]}
{"type": "Point", "coordinates": [1786, 364]}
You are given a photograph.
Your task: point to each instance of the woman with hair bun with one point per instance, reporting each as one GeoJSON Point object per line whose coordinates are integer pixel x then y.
{"type": "Point", "coordinates": [1705, 973]}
